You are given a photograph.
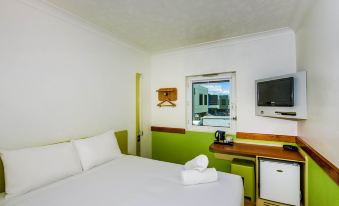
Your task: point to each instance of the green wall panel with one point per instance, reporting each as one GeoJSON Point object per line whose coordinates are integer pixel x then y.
{"type": "Point", "coordinates": [179, 148]}
{"type": "Point", "coordinates": [322, 190]}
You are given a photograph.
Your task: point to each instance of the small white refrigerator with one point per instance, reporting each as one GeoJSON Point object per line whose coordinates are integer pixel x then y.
{"type": "Point", "coordinates": [279, 181]}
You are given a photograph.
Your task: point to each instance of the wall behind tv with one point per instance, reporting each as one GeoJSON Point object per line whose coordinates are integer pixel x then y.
{"type": "Point", "coordinates": [318, 51]}
{"type": "Point", "coordinates": [62, 77]}
{"type": "Point", "coordinates": [251, 57]}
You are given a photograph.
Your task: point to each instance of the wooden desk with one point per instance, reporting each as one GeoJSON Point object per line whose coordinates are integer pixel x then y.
{"type": "Point", "coordinates": [275, 152]}
{"type": "Point", "coordinates": [254, 152]}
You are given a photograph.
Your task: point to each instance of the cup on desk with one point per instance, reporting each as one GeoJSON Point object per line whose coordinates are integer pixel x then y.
{"type": "Point", "coordinates": [228, 140]}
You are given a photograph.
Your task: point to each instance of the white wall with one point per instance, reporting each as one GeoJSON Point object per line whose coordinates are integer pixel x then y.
{"type": "Point", "coordinates": [62, 78]}
{"type": "Point", "coordinates": [252, 57]}
{"type": "Point", "coordinates": [318, 54]}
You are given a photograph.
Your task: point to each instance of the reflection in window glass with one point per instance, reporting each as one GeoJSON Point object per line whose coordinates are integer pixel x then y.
{"type": "Point", "coordinates": [211, 103]}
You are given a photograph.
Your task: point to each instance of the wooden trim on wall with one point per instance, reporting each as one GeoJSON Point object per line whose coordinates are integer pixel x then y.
{"type": "Point", "coordinates": [267, 137]}
{"type": "Point", "coordinates": [325, 164]}
{"type": "Point", "coordinates": [168, 129]}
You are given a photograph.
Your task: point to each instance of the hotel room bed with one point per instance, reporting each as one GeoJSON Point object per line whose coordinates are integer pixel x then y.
{"type": "Point", "coordinates": [132, 181]}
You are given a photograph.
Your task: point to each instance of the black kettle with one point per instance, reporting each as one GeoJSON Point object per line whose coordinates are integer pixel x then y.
{"type": "Point", "coordinates": [219, 136]}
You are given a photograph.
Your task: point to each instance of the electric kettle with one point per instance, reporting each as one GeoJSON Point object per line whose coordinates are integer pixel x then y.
{"type": "Point", "coordinates": [219, 136]}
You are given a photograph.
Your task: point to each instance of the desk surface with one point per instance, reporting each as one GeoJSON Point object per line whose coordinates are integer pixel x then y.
{"type": "Point", "coordinates": [276, 152]}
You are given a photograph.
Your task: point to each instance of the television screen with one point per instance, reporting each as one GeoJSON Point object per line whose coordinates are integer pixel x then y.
{"type": "Point", "coordinates": [276, 93]}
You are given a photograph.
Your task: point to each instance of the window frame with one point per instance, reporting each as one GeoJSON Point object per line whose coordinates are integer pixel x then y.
{"type": "Point", "coordinates": [231, 77]}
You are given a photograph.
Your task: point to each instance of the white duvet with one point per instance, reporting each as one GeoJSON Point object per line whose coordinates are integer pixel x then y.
{"type": "Point", "coordinates": [132, 181]}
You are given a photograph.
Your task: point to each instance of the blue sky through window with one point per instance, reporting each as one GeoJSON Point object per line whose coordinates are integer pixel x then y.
{"type": "Point", "coordinates": [218, 88]}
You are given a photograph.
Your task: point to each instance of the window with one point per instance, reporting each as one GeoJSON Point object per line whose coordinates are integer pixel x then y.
{"type": "Point", "coordinates": [200, 99]}
{"type": "Point", "coordinates": [211, 102]}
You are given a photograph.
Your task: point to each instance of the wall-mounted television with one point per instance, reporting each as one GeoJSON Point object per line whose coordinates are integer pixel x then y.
{"type": "Point", "coordinates": [276, 93]}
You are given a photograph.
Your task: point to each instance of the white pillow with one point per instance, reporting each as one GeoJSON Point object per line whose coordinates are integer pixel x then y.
{"type": "Point", "coordinates": [30, 168]}
{"type": "Point", "coordinates": [97, 150]}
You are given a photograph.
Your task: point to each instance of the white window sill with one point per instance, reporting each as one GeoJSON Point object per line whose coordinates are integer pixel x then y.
{"type": "Point", "coordinates": [209, 129]}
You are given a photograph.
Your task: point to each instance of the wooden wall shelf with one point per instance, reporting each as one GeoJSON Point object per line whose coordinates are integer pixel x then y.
{"type": "Point", "coordinates": [167, 95]}
{"type": "Point", "coordinates": [275, 152]}
{"type": "Point", "coordinates": [168, 129]}
{"type": "Point", "coordinates": [267, 137]}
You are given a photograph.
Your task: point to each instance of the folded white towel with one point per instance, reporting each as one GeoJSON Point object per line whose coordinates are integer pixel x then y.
{"type": "Point", "coordinates": [192, 177]}
{"type": "Point", "coordinates": [198, 163]}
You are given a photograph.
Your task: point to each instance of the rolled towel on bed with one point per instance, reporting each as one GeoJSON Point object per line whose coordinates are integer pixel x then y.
{"type": "Point", "coordinates": [192, 177]}
{"type": "Point", "coordinates": [198, 163]}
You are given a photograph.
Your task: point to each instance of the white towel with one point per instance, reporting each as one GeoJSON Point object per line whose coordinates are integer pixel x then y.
{"type": "Point", "coordinates": [198, 163]}
{"type": "Point", "coordinates": [192, 177]}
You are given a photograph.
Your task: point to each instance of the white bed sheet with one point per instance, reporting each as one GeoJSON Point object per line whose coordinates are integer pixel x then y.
{"type": "Point", "coordinates": [132, 181]}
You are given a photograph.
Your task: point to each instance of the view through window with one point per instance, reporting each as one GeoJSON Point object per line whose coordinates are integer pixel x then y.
{"type": "Point", "coordinates": [211, 103]}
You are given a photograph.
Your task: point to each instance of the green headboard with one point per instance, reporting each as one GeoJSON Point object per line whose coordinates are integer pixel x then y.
{"type": "Point", "coordinates": [2, 177]}
{"type": "Point", "coordinates": [122, 138]}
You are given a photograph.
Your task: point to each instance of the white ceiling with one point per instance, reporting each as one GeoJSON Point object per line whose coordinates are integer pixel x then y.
{"type": "Point", "coordinates": [156, 25]}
